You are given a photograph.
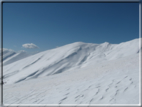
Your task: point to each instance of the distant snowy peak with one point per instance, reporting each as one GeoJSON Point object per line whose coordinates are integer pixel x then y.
{"type": "Point", "coordinates": [10, 56]}
{"type": "Point", "coordinates": [7, 53]}
{"type": "Point", "coordinates": [16, 57]}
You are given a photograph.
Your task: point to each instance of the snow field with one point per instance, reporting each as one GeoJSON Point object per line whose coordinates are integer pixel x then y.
{"type": "Point", "coordinates": [97, 85]}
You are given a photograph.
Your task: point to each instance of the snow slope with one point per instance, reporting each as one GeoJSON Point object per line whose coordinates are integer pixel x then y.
{"type": "Point", "coordinates": [78, 73]}
{"type": "Point", "coordinates": [113, 82]}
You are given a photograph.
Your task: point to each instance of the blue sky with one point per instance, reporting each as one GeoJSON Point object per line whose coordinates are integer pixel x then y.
{"type": "Point", "coordinates": [49, 25]}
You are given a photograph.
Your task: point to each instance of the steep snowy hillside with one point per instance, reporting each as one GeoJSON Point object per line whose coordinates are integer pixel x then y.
{"type": "Point", "coordinates": [10, 56]}
{"type": "Point", "coordinates": [77, 73]}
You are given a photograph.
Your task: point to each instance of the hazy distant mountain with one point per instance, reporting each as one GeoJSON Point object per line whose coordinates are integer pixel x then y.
{"type": "Point", "coordinates": [10, 56]}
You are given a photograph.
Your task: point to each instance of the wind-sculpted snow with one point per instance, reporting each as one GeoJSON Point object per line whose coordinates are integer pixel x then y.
{"type": "Point", "coordinates": [77, 73]}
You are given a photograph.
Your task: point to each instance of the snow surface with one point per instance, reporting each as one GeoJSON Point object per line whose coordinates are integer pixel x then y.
{"type": "Point", "coordinates": [77, 73]}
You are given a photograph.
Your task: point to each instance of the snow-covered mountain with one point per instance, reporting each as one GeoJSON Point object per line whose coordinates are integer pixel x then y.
{"type": "Point", "coordinates": [10, 56]}
{"type": "Point", "coordinates": [77, 73]}
{"type": "Point", "coordinates": [7, 53]}
{"type": "Point", "coordinates": [65, 58]}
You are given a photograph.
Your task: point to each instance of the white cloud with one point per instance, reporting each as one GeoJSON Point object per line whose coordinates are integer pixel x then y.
{"type": "Point", "coordinates": [29, 45]}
